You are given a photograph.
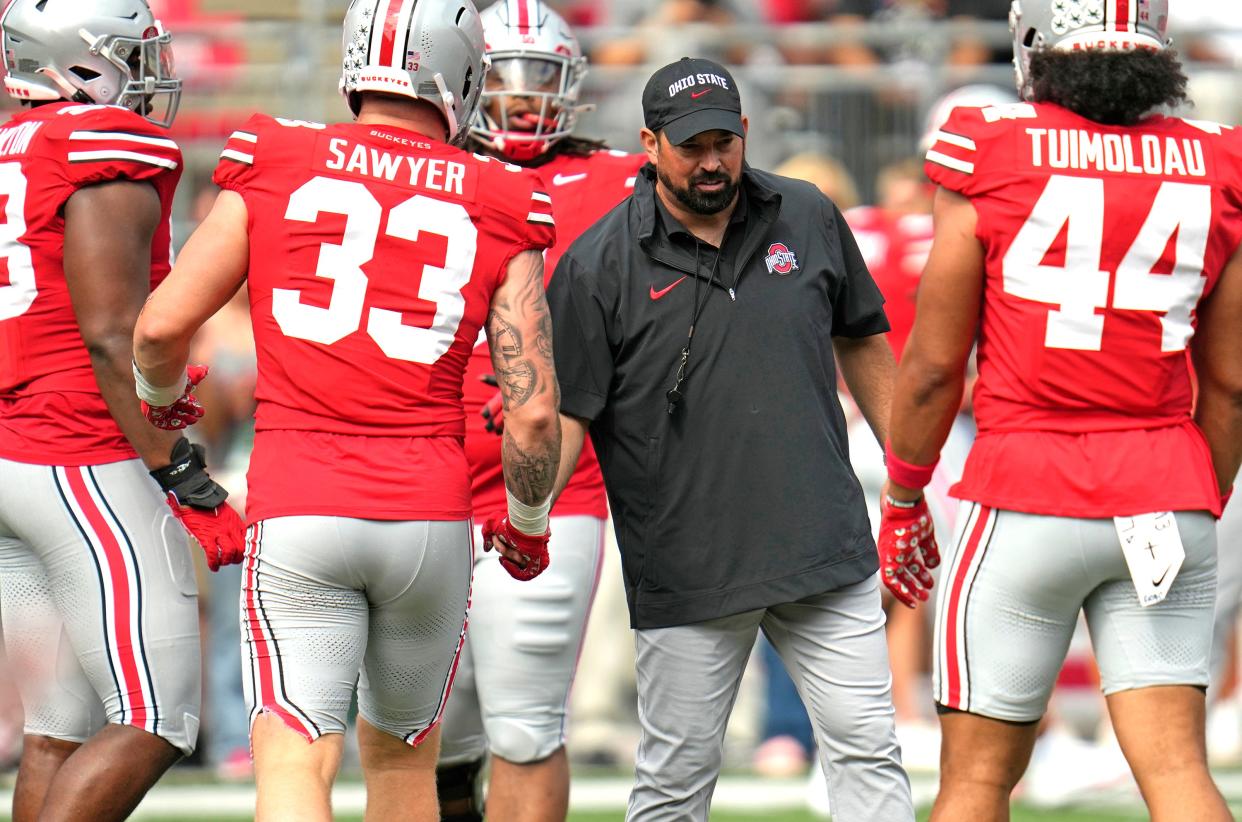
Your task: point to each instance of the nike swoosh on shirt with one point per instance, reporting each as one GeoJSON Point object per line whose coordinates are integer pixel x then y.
{"type": "Point", "coordinates": [564, 179]}
{"type": "Point", "coordinates": [1155, 583]}
{"type": "Point", "coordinates": [655, 295]}
{"type": "Point", "coordinates": [694, 95]}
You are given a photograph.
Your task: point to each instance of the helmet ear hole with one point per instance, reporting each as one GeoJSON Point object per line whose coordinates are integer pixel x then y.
{"type": "Point", "coordinates": [465, 87]}
{"type": "Point", "coordinates": [84, 74]}
{"type": "Point", "coordinates": [1029, 39]}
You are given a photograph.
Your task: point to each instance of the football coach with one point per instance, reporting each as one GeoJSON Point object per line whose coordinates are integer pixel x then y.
{"type": "Point", "coordinates": [695, 327]}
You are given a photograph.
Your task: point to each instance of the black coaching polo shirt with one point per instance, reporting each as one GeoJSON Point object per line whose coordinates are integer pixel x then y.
{"type": "Point", "coordinates": [743, 496]}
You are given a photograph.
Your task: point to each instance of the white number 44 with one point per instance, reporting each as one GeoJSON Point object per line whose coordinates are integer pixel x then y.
{"type": "Point", "coordinates": [1079, 287]}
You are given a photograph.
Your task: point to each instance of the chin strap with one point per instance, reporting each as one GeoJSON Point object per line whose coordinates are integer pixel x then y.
{"type": "Point", "coordinates": [446, 97]}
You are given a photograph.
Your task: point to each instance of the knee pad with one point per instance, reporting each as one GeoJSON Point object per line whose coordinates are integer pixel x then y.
{"type": "Point", "coordinates": [522, 742]}
{"type": "Point", "coordinates": [459, 789]}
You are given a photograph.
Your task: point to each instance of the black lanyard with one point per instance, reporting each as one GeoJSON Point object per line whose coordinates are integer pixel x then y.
{"type": "Point", "coordinates": [674, 395]}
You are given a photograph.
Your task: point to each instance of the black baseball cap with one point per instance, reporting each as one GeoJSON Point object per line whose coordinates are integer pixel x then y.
{"type": "Point", "coordinates": [691, 96]}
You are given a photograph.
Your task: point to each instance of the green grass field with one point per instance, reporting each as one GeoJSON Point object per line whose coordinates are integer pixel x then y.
{"type": "Point", "coordinates": [1019, 815]}
{"type": "Point", "coordinates": [188, 795]}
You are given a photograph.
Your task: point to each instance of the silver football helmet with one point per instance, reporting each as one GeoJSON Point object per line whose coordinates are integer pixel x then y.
{"type": "Point", "coordinates": [1084, 25]}
{"type": "Point", "coordinates": [431, 50]}
{"type": "Point", "coordinates": [109, 52]}
{"type": "Point", "coordinates": [536, 75]}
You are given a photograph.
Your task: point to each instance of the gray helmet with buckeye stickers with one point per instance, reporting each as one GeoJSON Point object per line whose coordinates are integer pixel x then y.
{"type": "Point", "coordinates": [1084, 25]}
{"type": "Point", "coordinates": [431, 50]}
{"type": "Point", "coordinates": [109, 52]}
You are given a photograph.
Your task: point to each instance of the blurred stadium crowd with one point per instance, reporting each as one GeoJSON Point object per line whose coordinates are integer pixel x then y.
{"type": "Point", "coordinates": [839, 92]}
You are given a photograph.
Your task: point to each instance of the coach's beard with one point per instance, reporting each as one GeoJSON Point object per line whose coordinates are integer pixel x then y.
{"type": "Point", "coordinates": [703, 202]}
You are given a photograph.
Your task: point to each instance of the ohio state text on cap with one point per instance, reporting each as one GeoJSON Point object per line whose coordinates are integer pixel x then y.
{"type": "Point", "coordinates": [691, 96]}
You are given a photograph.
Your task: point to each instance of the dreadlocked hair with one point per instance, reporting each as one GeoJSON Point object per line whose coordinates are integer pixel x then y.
{"type": "Point", "coordinates": [577, 146]}
{"type": "Point", "coordinates": [1114, 88]}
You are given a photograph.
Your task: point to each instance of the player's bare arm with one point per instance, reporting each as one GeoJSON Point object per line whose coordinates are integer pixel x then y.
{"type": "Point", "coordinates": [519, 331]}
{"type": "Point", "coordinates": [1219, 370]}
{"type": "Point", "coordinates": [868, 366]}
{"type": "Point", "coordinates": [927, 395]}
{"type": "Point", "coordinates": [207, 273]}
{"type": "Point", "coordinates": [932, 374]}
{"type": "Point", "coordinates": [108, 271]}
{"type": "Point", "coordinates": [573, 436]}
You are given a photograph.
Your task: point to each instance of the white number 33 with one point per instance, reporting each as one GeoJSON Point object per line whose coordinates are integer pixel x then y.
{"type": "Point", "coordinates": [342, 263]}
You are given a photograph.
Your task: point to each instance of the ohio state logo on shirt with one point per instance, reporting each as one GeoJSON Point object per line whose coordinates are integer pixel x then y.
{"type": "Point", "coordinates": [780, 259]}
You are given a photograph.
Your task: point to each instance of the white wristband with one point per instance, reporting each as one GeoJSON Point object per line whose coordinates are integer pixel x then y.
{"type": "Point", "coordinates": [154, 394]}
{"type": "Point", "coordinates": [531, 520]}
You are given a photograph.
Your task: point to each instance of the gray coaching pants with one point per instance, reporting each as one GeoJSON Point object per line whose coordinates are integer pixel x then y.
{"type": "Point", "coordinates": [833, 646]}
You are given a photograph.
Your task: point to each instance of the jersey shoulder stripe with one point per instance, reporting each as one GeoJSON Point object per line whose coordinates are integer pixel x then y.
{"type": "Point", "coordinates": [123, 137]}
{"type": "Point", "coordinates": [940, 158]}
{"type": "Point", "coordinates": [240, 147]}
{"type": "Point", "coordinates": [540, 208]}
{"type": "Point", "coordinates": [96, 143]}
{"type": "Point", "coordinates": [106, 155]}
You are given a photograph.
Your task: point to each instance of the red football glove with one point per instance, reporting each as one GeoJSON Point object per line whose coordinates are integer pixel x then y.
{"type": "Point", "coordinates": [533, 549]}
{"type": "Point", "coordinates": [197, 501]}
{"type": "Point", "coordinates": [908, 548]}
{"type": "Point", "coordinates": [219, 531]}
{"type": "Point", "coordinates": [494, 409]}
{"type": "Point", "coordinates": [183, 413]}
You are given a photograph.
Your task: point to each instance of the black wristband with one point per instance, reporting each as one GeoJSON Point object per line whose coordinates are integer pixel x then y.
{"type": "Point", "coordinates": [186, 477]}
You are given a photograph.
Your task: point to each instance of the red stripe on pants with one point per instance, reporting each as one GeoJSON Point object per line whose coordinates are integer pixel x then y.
{"type": "Point", "coordinates": [118, 629]}
{"type": "Point", "coordinates": [954, 696]}
{"type": "Point", "coordinates": [266, 698]}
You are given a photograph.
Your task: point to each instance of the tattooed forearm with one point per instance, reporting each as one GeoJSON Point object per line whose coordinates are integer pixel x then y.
{"type": "Point", "coordinates": [531, 473]}
{"type": "Point", "coordinates": [519, 315]}
{"type": "Point", "coordinates": [519, 330]}
{"type": "Point", "coordinates": [505, 339]}
{"type": "Point", "coordinates": [518, 382]}
{"type": "Point", "coordinates": [544, 339]}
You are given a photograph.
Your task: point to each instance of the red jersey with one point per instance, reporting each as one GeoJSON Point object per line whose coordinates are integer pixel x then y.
{"type": "Point", "coordinates": [1100, 241]}
{"type": "Point", "coordinates": [895, 248]}
{"type": "Point", "coordinates": [583, 189]}
{"type": "Point", "coordinates": [374, 253]}
{"type": "Point", "coordinates": [51, 411]}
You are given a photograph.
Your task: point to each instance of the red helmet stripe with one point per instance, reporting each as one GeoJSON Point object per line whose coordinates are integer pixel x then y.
{"type": "Point", "coordinates": [390, 32]}
{"type": "Point", "coordinates": [1121, 15]}
{"type": "Point", "coordinates": [524, 16]}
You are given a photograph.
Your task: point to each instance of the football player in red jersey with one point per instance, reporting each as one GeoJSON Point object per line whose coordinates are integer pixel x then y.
{"type": "Point", "coordinates": [375, 252]}
{"type": "Point", "coordinates": [519, 660]}
{"type": "Point", "coordinates": [96, 580]}
{"type": "Point", "coordinates": [1094, 248]}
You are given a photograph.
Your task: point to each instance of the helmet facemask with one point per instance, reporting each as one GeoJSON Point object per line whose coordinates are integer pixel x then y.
{"type": "Point", "coordinates": [151, 85]}
{"type": "Point", "coordinates": [530, 101]}
{"type": "Point", "coordinates": [103, 52]}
